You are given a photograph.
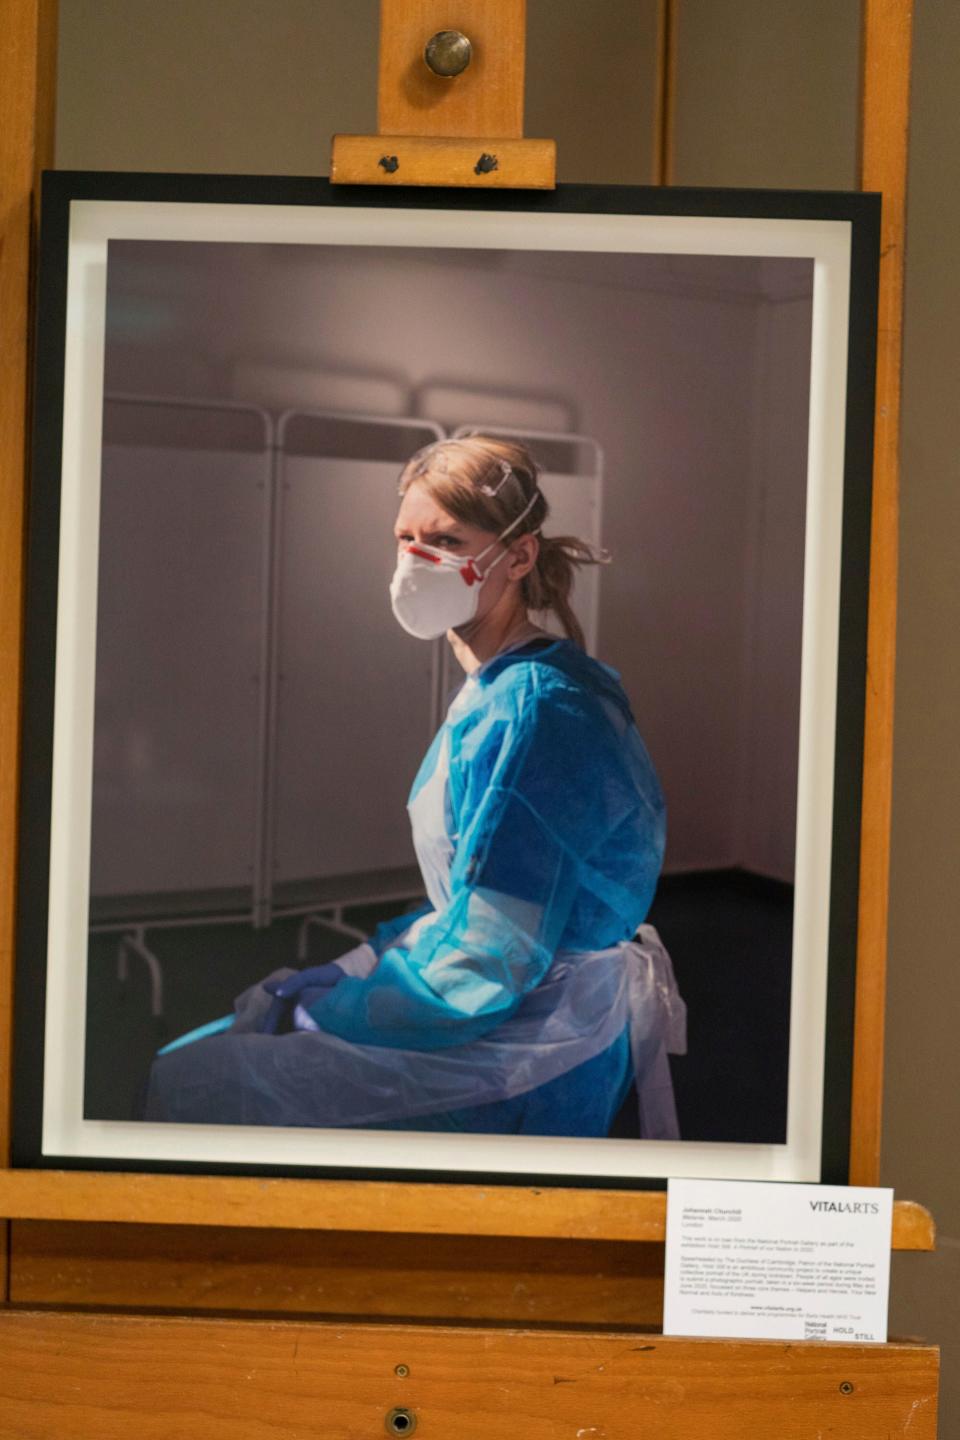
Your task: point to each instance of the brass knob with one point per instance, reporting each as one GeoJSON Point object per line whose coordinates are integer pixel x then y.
{"type": "Point", "coordinates": [448, 53]}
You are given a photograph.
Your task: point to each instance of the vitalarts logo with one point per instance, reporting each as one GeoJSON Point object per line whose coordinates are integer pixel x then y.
{"type": "Point", "coordinates": [846, 1207]}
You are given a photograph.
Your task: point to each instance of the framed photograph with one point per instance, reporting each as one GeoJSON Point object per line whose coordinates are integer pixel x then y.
{"type": "Point", "coordinates": [445, 677]}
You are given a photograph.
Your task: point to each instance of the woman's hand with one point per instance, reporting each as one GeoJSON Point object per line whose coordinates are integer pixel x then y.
{"type": "Point", "coordinates": [299, 990]}
{"type": "Point", "coordinates": [317, 977]}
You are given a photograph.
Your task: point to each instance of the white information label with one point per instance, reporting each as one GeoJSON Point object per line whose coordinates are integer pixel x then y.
{"type": "Point", "coordinates": [777, 1261]}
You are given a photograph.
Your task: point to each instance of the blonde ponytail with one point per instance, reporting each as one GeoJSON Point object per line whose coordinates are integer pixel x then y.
{"type": "Point", "coordinates": [550, 582]}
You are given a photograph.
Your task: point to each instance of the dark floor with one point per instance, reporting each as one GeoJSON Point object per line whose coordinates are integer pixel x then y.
{"type": "Point", "coordinates": [728, 933]}
{"type": "Point", "coordinates": [730, 937]}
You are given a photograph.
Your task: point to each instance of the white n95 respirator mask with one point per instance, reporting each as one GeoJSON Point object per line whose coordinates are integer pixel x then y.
{"type": "Point", "coordinates": [433, 591]}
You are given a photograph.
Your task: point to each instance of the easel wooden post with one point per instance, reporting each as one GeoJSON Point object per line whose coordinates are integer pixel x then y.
{"type": "Point", "coordinates": [460, 129]}
{"type": "Point", "coordinates": [27, 108]}
{"type": "Point", "coordinates": [884, 122]}
{"type": "Point", "coordinates": [93, 1238]}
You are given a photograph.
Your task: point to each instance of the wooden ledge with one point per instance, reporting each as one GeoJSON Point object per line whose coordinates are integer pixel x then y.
{"type": "Point", "coordinates": [402, 1208]}
{"type": "Point", "coordinates": [75, 1375]}
{"type": "Point", "coordinates": [475, 164]}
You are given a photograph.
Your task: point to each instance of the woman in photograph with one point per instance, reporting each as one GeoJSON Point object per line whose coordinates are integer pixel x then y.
{"type": "Point", "coordinates": [526, 994]}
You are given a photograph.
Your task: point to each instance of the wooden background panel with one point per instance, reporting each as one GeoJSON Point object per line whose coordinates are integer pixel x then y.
{"type": "Point", "coordinates": [362, 1275]}
{"type": "Point", "coordinates": [112, 1376]}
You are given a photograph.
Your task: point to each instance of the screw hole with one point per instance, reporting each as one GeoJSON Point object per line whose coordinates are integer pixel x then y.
{"type": "Point", "coordinates": [846, 1388]}
{"type": "Point", "coordinates": [402, 1370]}
{"type": "Point", "coordinates": [401, 1422]}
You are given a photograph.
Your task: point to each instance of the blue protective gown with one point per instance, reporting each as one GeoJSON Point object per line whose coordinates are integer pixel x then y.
{"type": "Point", "coordinates": [538, 824]}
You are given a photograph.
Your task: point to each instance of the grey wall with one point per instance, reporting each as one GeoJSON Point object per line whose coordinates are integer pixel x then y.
{"type": "Point", "coordinates": [259, 86]}
{"type": "Point", "coordinates": [923, 1058]}
{"type": "Point", "coordinates": [767, 95]}
{"type": "Point", "coordinates": [240, 86]}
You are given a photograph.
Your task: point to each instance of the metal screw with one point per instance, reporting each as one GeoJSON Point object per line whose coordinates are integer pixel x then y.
{"type": "Point", "coordinates": [389, 163]}
{"type": "Point", "coordinates": [485, 164]}
{"type": "Point", "coordinates": [401, 1422]}
{"type": "Point", "coordinates": [403, 1371]}
{"type": "Point", "coordinates": [846, 1387]}
{"type": "Point", "coordinates": [448, 53]}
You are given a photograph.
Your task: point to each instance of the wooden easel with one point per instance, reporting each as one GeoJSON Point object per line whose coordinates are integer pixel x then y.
{"type": "Point", "coordinates": [293, 1250]}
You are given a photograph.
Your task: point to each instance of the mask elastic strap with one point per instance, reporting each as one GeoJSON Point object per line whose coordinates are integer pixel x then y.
{"type": "Point", "coordinates": [469, 571]}
{"type": "Point", "coordinates": [512, 526]}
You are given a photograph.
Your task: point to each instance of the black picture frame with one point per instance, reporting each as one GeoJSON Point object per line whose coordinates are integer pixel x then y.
{"type": "Point", "coordinates": [64, 190]}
